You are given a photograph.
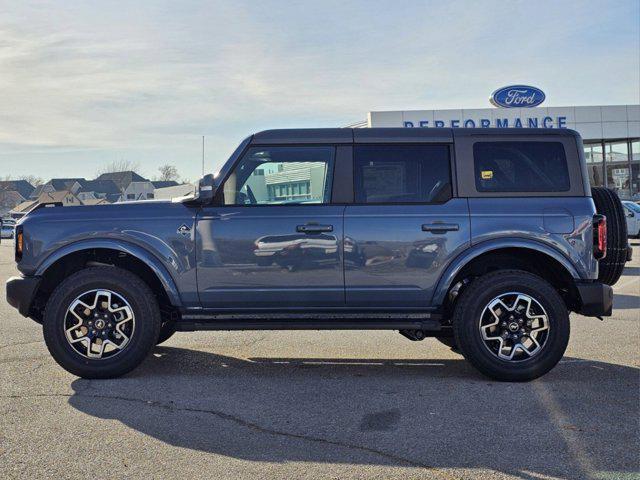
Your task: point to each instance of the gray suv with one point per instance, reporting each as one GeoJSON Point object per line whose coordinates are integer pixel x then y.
{"type": "Point", "coordinates": [485, 239]}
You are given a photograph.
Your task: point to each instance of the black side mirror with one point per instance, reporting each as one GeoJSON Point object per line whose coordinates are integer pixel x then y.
{"type": "Point", "coordinates": [631, 214]}
{"type": "Point", "coordinates": [206, 188]}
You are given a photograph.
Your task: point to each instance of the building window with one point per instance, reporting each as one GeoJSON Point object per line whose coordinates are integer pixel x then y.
{"type": "Point", "coordinates": [617, 165]}
{"type": "Point", "coordinates": [593, 156]}
{"type": "Point", "coordinates": [635, 170]}
{"type": "Point", "coordinates": [150, 195]}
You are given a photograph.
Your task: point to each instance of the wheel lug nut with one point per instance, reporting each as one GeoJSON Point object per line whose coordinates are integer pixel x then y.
{"type": "Point", "coordinates": [511, 317]}
{"type": "Point", "coordinates": [503, 324]}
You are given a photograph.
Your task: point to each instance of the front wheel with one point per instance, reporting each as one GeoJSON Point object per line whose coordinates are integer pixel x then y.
{"type": "Point", "coordinates": [511, 325]}
{"type": "Point", "coordinates": [101, 322]}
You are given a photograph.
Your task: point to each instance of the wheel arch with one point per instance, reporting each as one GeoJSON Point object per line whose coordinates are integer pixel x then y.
{"type": "Point", "coordinates": [70, 258]}
{"type": "Point", "coordinates": [511, 248]}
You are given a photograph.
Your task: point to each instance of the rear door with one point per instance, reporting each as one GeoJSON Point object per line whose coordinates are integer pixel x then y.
{"type": "Point", "coordinates": [405, 224]}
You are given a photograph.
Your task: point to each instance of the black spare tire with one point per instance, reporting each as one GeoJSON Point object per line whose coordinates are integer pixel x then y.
{"type": "Point", "coordinates": [608, 204]}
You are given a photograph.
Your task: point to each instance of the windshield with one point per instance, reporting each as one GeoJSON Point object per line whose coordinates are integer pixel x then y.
{"type": "Point", "coordinates": [632, 206]}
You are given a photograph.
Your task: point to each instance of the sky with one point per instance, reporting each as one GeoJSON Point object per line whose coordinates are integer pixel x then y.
{"type": "Point", "coordinates": [84, 84]}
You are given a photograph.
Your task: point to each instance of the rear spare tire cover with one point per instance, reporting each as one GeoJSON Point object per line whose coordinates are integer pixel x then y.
{"type": "Point", "coordinates": [608, 204]}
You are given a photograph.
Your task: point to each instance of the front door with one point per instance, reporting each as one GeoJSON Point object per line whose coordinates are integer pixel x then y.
{"type": "Point", "coordinates": [404, 227]}
{"type": "Point", "coordinates": [272, 239]}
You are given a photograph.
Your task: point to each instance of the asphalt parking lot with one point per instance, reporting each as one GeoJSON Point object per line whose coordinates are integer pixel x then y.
{"type": "Point", "coordinates": [323, 405]}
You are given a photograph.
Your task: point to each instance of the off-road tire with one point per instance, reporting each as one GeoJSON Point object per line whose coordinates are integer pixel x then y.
{"type": "Point", "coordinates": [145, 309]}
{"type": "Point", "coordinates": [608, 204]}
{"type": "Point", "coordinates": [472, 302]}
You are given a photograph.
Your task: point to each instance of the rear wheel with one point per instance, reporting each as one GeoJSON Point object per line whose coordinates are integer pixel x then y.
{"type": "Point", "coordinates": [608, 204]}
{"type": "Point", "coordinates": [101, 322]}
{"type": "Point", "coordinates": [511, 325]}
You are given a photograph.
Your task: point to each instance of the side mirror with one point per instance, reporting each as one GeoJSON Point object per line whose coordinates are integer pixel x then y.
{"type": "Point", "coordinates": [206, 188]}
{"type": "Point", "coordinates": [631, 214]}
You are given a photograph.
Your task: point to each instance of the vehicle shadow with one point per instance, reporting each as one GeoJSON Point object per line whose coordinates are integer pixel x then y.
{"type": "Point", "coordinates": [625, 302]}
{"type": "Point", "coordinates": [437, 414]}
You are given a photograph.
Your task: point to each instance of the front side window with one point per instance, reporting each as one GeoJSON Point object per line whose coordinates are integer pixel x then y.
{"type": "Point", "coordinates": [402, 174]}
{"type": "Point", "coordinates": [520, 167]}
{"type": "Point", "coordinates": [281, 176]}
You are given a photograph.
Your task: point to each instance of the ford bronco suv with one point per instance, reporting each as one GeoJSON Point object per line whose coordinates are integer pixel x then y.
{"type": "Point", "coordinates": [485, 239]}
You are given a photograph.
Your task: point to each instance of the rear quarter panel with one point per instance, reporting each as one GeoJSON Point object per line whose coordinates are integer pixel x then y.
{"type": "Point", "coordinates": [563, 223]}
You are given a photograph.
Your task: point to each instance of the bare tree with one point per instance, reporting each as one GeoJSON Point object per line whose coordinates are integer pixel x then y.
{"type": "Point", "coordinates": [168, 173]}
{"type": "Point", "coordinates": [32, 179]}
{"type": "Point", "coordinates": [118, 166]}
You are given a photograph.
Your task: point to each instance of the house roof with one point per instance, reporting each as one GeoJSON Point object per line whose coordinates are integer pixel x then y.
{"type": "Point", "coordinates": [65, 183]}
{"type": "Point", "coordinates": [94, 201]}
{"type": "Point", "coordinates": [122, 179]}
{"type": "Point", "coordinates": [164, 183]}
{"type": "Point", "coordinates": [100, 186]}
{"type": "Point", "coordinates": [36, 192]}
{"type": "Point", "coordinates": [25, 206]}
{"type": "Point", "coordinates": [57, 196]}
{"type": "Point", "coordinates": [174, 192]}
{"type": "Point", "coordinates": [23, 187]}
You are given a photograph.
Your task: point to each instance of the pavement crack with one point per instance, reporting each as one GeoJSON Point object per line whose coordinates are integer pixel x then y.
{"type": "Point", "coordinates": [238, 421]}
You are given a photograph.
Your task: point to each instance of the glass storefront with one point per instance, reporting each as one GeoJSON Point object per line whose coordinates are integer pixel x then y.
{"type": "Point", "coordinates": [635, 170]}
{"type": "Point", "coordinates": [593, 156]}
{"type": "Point", "coordinates": [615, 165]}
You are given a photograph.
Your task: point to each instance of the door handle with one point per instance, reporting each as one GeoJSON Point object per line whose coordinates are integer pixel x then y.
{"type": "Point", "coordinates": [313, 228]}
{"type": "Point", "coordinates": [439, 228]}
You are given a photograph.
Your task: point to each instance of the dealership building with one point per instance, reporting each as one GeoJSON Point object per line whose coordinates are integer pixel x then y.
{"type": "Point", "coordinates": [611, 133]}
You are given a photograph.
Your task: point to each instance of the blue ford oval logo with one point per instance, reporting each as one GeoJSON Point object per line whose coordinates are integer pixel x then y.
{"type": "Point", "coordinates": [517, 96]}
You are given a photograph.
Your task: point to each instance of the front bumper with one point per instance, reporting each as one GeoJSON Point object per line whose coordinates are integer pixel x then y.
{"type": "Point", "coordinates": [596, 299]}
{"type": "Point", "coordinates": [20, 293]}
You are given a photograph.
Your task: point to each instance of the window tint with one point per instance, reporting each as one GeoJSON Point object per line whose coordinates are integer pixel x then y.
{"type": "Point", "coordinates": [520, 167]}
{"type": "Point", "coordinates": [281, 175]}
{"type": "Point", "coordinates": [402, 174]}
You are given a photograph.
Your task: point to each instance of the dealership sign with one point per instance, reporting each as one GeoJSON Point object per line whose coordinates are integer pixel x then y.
{"type": "Point", "coordinates": [533, 121]}
{"type": "Point", "coordinates": [517, 96]}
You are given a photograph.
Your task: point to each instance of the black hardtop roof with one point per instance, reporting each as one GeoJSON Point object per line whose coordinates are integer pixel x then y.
{"type": "Point", "coordinates": [379, 135]}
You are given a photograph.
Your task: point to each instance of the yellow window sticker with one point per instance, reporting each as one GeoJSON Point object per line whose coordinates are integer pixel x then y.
{"type": "Point", "coordinates": [487, 174]}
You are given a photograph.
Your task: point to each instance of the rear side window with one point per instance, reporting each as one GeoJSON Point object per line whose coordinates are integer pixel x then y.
{"type": "Point", "coordinates": [520, 167]}
{"type": "Point", "coordinates": [402, 174]}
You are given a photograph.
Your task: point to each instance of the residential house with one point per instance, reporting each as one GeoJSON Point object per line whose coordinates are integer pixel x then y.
{"type": "Point", "coordinates": [65, 197]}
{"type": "Point", "coordinates": [175, 191]}
{"type": "Point", "coordinates": [23, 187]}
{"type": "Point", "coordinates": [164, 183]}
{"type": "Point", "coordinates": [99, 189]}
{"type": "Point", "coordinates": [132, 186]}
{"type": "Point", "coordinates": [72, 185]}
{"type": "Point", "coordinates": [23, 208]}
{"type": "Point", "coordinates": [12, 193]}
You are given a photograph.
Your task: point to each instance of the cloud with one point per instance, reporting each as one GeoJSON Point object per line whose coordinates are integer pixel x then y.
{"type": "Point", "coordinates": [145, 79]}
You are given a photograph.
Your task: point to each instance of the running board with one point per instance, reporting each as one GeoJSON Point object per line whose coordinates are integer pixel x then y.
{"type": "Point", "coordinates": [311, 321]}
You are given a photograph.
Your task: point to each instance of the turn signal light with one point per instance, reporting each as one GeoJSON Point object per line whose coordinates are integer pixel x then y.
{"type": "Point", "coordinates": [19, 243]}
{"type": "Point", "coordinates": [599, 236]}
